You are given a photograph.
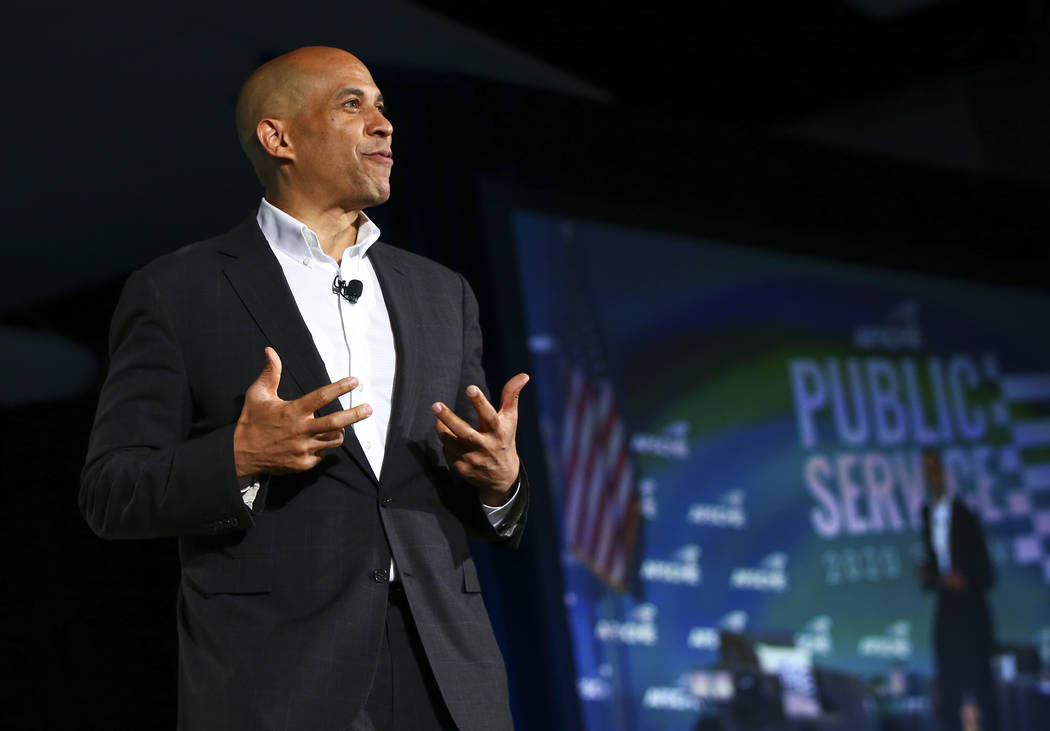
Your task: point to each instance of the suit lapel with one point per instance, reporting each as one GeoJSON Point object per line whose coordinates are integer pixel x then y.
{"type": "Point", "coordinates": [405, 321]}
{"type": "Point", "coordinates": [953, 531]}
{"type": "Point", "coordinates": [256, 276]}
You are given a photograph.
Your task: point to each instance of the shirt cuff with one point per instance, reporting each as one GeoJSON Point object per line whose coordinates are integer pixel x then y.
{"type": "Point", "coordinates": [498, 515]}
{"type": "Point", "coordinates": [249, 486]}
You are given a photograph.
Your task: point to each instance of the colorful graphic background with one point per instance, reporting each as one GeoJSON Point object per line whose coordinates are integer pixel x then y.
{"type": "Point", "coordinates": [762, 511]}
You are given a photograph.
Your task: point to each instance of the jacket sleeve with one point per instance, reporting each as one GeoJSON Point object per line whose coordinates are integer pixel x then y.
{"type": "Point", "coordinates": [928, 573]}
{"type": "Point", "coordinates": [513, 527]}
{"type": "Point", "coordinates": [979, 571]}
{"type": "Point", "coordinates": [144, 477]}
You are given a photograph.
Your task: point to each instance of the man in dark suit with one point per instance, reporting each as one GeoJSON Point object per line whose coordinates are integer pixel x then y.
{"type": "Point", "coordinates": [957, 567]}
{"type": "Point", "coordinates": [326, 577]}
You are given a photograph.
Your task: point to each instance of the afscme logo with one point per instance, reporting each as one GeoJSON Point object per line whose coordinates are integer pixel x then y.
{"type": "Point", "coordinates": [647, 490]}
{"type": "Point", "coordinates": [638, 629]}
{"type": "Point", "coordinates": [900, 330]}
{"type": "Point", "coordinates": [770, 575]}
{"type": "Point", "coordinates": [709, 638]}
{"type": "Point", "coordinates": [815, 635]}
{"type": "Point", "coordinates": [775, 561]}
{"type": "Point", "coordinates": [596, 687]}
{"type": "Point", "coordinates": [673, 442]}
{"type": "Point", "coordinates": [670, 698]}
{"type": "Point", "coordinates": [703, 638]}
{"type": "Point", "coordinates": [894, 643]}
{"type": "Point", "coordinates": [728, 512]}
{"type": "Point", "coordinates": [683, 569]}
{"type": "Point", "coordinates": [644, 613]}
{"type": "Point", "coordinates": [734, 621]}
{"type": "Point", "coordinates": [593, 689]}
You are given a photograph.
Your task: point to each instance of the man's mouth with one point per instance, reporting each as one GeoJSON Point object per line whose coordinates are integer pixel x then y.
{"type": "Point", "coordinates": [384, 157]}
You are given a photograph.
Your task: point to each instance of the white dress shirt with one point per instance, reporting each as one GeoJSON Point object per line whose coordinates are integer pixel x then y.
{"type": "Point", "coordinates": [941, 517]}
{"type": "Point", "coordinates": [352, 339]}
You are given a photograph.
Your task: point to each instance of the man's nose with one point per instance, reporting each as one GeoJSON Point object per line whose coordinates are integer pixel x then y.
{"type": "Point", "coordinates": [379, 125]}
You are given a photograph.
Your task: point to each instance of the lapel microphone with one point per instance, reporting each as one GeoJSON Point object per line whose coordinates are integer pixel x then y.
{"type": "Point", "coordinates": [349, 291]}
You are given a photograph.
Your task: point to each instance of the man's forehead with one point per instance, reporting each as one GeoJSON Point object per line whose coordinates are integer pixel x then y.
{"type": "Point", "coordinates": [348, 80]}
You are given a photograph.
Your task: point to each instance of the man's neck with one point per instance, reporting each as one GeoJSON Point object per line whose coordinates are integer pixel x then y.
{"type": "Point", "coordinates": [336, 229]}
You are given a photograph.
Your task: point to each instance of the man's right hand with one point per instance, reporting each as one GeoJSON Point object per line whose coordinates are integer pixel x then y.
{"type": "Point", "coordinates": [276, 437]}
{"type": "Point", "coordinates": [953, 581]}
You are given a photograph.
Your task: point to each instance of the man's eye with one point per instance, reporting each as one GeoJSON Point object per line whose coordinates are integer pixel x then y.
{"type": "Point", "coordinates": [381, 108]}
{"type": "Point", "coordinates": [352, 103]}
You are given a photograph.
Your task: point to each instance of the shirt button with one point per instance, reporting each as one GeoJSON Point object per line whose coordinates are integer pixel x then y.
{"type": "Point", "coordinates": [306, 262]}
{"type": "Point", "coordinates": [368, 445]}
{"type": "Point", "coordinates": [360, 387]}
{"type": "Point", "coordinates": [379, 576]}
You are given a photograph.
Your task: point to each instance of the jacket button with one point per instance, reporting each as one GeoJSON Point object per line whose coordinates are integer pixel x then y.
{"type": "Point", "coordinates": [379, 576]}
{"type": "Point", "coordinates": [386, 501]}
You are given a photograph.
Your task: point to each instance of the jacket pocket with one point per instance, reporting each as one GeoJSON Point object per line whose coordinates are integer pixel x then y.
{"type": "Point", "coordinates": [218, 574]}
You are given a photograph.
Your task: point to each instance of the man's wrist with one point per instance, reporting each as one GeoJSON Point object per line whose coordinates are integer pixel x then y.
{"type": "Point", "coordinates": [497, 498]}
{"type": "Point", "coordinates": [494, 498]}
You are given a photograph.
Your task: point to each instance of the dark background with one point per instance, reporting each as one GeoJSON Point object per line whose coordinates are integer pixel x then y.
{"type": "Point", "coordinates": [908, 135]}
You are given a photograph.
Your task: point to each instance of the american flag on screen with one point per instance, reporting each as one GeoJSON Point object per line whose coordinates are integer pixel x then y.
{"type": "Point", "coordinates": [601, 496]}
{"type": "Point", "coordinates": [592, 447]}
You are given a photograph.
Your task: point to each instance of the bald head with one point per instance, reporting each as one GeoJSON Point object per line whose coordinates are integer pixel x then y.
{"type": "Point", "coordinates": [933, 472]}
{"type": "Point", "coordinates": [280, 89]}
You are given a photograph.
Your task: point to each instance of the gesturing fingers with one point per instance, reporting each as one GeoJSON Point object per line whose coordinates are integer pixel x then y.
{"type": "Point", "coordinates": [321, 443]}
{"type": "Point", "coordinates": [486, 456]}
{"type": "Point", "coordinates": [454, 447]}
{"type": "Point", "coordinates": [273, 436]}
{"type": "Point", "coordinates": [487, 416]}
{"type": "Point", "coordinates": [509, 397]}
{"type": "Point", "coordinates": [459, 428]}
{"type": "Point", "coordinates": [330, 438]}
{"type": "Point", "coordinates": [339, 420]}
{"type": "Point", "coordinates": [324, 395]}
{"type": "Point", "coordinates": [270, 377]}
{"type": "Point", "coordinates": [444, 433]}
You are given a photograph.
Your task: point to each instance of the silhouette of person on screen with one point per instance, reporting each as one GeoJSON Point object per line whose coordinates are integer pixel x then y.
{"type": "Point", "coordinates": [957, 567]}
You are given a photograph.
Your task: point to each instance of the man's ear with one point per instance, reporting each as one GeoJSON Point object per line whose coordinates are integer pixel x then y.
{"type": "Point", "coordinates": [273, 137]}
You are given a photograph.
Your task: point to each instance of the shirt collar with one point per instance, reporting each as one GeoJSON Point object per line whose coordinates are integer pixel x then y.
{"type": "Point", "coordinates": [294, 238]}
{"type": "Point", "coordinates": [943, 505]}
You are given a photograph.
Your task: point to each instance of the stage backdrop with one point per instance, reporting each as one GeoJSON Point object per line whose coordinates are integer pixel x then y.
{"type": "Point", "coordinates": [733, 441]}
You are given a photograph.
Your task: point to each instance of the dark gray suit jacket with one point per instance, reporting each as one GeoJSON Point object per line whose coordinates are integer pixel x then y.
{"type": "Point", "coordinates": [281, 608]}
{"type": "Point", "coordinates": [961, 617]}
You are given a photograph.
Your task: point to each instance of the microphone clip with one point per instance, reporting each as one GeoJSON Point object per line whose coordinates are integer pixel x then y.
{"type": "Point", "coordinates": [350, 291]}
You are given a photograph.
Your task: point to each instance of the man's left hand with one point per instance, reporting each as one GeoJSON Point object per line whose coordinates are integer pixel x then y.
{"type": "Point", "coordinates": [487, 456]}
{"type": "Point", "coordinates": [953, 581]}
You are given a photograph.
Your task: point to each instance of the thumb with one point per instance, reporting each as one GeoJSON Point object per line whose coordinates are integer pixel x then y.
{"type": "Point", "coordinates": [270, 377]}
{"type": "Point", "coordinates": [509, 397]}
